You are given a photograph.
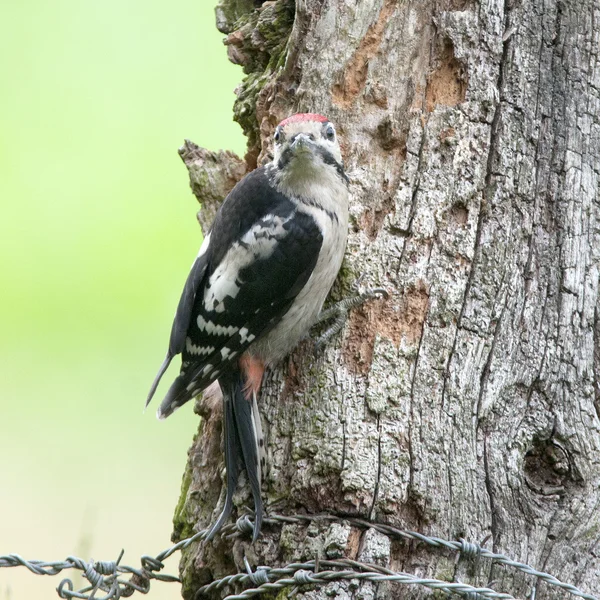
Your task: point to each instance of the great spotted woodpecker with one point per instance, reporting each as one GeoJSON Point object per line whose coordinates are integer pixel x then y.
{"type": "Point", "coordinates": [258, 284]}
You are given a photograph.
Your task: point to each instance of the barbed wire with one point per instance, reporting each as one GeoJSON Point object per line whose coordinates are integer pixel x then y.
{"type": "Point", "coordinates": [467, 549]}
{"type": "Point", "coordinates": [108, 577]}
{"type": "Point", "coordinates": [308, 573]}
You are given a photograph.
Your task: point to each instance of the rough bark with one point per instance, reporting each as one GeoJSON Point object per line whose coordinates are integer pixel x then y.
{"type": "Point", "coordinates": [465, 405]}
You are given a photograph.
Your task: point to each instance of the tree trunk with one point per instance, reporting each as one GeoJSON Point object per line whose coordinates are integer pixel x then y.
{"type": "Point", "coordinates": [465, 405]}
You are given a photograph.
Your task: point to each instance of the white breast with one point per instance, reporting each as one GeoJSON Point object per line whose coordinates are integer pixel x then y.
{"type": "Point", "coordinates": [325, 199]}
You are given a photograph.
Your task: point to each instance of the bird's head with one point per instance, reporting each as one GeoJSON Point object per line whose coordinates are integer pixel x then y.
{"type": "Point", "coordinates": [306, 144]}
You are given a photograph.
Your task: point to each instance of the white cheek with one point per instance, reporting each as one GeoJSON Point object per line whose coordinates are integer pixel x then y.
{"type": "Point", "coordinates": [334, 148]}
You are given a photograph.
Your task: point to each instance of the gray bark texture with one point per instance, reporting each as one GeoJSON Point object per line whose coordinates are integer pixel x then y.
{"type": "Point", "coordinates": [466, 405]}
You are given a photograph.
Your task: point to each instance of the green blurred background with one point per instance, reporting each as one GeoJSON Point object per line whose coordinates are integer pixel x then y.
{"type": "Point", "coordinates": [97, 232]}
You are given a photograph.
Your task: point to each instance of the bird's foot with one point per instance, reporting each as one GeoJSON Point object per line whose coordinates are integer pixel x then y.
{"type": "Point", "coordinates": [338, 313]}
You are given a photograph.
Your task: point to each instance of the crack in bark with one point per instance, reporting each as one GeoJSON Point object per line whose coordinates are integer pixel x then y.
{"type": "Point", "coordinates": [541, 161]}
{"type": "Point", "coordinates": [488, 181]}
{"type": "Point", "coordinates": [485, 373]}
{"type": "Point", "coordinates": [413, 202]}
{"type": "Point", "coordinates": [344, 442]}
{"type": "Point", "coordinates": [493, 511]}
{"type": "Point", "coordinates": [459, 326]}
{"type": "Point", "coordinates": [376, 491]}
{"type": "Point", "coordinates": [413, 198]}
{"type": "Point", "coordinates": [590, 556]}
{"type": "Point", "coordinates": [597, 360]}
{"type": "Point", "coordinates": [412, 414]}
{"type": "Point", "coordinates": [536, 382]}
{"type": "Point", "coordinates": [528, 276]}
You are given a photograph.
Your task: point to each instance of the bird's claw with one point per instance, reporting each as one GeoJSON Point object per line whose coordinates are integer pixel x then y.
{"type": "Point", "coordinates": [339, 312]}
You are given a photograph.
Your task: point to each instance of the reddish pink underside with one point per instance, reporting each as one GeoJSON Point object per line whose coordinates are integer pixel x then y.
{"type": "Point", "coordinates": [304, 117]}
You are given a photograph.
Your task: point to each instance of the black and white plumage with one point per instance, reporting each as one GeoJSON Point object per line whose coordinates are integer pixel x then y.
{"type": "Point", "coordinates": [258, 284]}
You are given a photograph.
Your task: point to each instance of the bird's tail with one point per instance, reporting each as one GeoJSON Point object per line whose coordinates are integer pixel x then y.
{"type": "Point", "coordinates": [243, 446]}
{"type": "Point", "coordinates": [177, 395]}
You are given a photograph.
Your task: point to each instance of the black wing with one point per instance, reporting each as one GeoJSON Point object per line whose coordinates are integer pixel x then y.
{"type": "Point", "coordinates": [260, 255]}
{"type": "Point", "coordinates": [182, 319]}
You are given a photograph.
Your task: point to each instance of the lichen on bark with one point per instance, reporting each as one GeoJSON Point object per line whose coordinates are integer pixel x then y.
{"type": "Point", "coordinates": [256, 40]}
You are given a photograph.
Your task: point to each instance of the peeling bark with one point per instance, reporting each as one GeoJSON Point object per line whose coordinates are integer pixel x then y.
{"type": "Point", "coordinates": [465, 405]}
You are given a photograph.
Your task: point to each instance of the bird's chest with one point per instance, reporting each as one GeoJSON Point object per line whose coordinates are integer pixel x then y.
{"type": "Point", "coordinates": [331, 216]}
{"type": "Point", "coordinates": [334, 230]}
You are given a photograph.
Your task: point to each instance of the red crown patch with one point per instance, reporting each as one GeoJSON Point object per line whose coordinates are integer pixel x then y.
{"type": "Point", "coordinates": [304, 117]}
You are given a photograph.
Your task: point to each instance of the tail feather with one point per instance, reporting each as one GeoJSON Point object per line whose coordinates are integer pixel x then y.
{"type": "Point", "coordinates": [244, 420]}
{"type": "Point", "coordinates": [189, 383]}
{"type": "Point", "coordinates": [259, 437]}
{"type": "Point", "coordinates": [241, 447]}
{"type": "Point", "coordinates": [233, 454]}
{"type": "Point", "coordinates": [177, 396]}
{"type": "Point", "coordinates": [161, 372]}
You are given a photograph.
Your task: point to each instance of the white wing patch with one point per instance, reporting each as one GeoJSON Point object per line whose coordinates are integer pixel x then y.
{"type": "Point", "coordinates": [245, 336]}
{"type": "Point", "coordinates": [211, 328]}
{"type": "Point", "coordinates": [198, 350]}
{"type": "Point", "coordinates": [258, 243]}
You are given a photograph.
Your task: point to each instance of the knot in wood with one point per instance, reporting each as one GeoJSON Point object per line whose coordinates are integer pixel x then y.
{"type": "Point", "coordinates": [547, 467]}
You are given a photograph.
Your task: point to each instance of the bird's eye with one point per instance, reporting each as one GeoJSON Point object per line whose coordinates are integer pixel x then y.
{"type": "Point", "coordinates": [330, 132]}
{"type": "Point", "coordinates": [277, 135]}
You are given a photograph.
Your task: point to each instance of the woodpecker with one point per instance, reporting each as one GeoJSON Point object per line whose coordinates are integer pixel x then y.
{"type": "Point", "coordinates": [258, 284]}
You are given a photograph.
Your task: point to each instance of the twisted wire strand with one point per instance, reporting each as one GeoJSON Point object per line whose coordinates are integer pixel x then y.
{"type": "Point", "coordinates": [107, 576]}
{"type": "Point", "coordinates": [297, 574]}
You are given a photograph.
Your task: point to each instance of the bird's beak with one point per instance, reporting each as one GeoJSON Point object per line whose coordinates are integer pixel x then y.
{"type": "Point", "coordinates": [300, 141]}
